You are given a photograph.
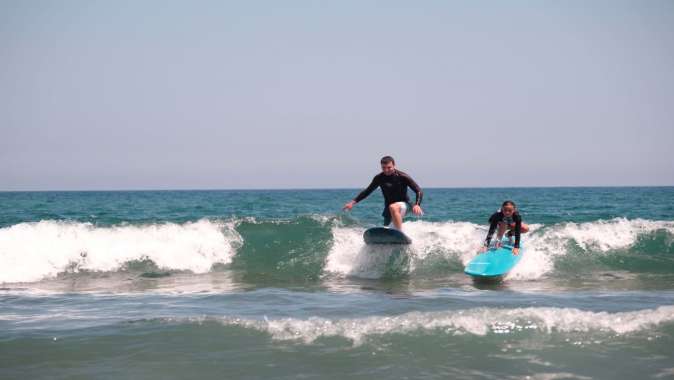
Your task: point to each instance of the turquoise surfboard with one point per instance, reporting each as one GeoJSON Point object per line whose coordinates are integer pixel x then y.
{"type": "Point", "coordinates": [383, 235]}
{"type": "Point", "coordinates": [495, 263]}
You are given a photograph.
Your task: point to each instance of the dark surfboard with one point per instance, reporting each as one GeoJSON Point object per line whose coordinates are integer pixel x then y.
{"type": "Point", "coordinates": [383, 235]}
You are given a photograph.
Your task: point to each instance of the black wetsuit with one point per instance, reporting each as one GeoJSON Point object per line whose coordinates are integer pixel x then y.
{"type": "Point", "coordinates": [394, 188]}
{"type": "Point", "coordinates": [515, 219]}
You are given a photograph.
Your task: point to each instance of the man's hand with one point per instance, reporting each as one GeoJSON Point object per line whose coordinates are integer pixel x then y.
{"type": "Point", "coordinates": [516, 251]}
{"type": "Point", "coordinates": [348, 206]}
{"type": "Point", "coordinates": [416, 209]}
{"type": "Point", "coordinates": [483, 249]}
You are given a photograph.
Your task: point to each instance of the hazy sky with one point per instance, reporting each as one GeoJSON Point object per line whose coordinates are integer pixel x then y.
{"type": "Point", "coordinates": [293, 94]}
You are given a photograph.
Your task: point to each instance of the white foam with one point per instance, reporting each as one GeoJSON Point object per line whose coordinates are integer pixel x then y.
{"type": "Point", "coordinates": [350, 256]}
{"type": "Point", "coordinates": [544, 245]}
{"type": "Point", "coordinates": [479, 321]}
{"type": "Point", "coordinates": [538, 254]}
{"type": "Point", "coordinates": [606, 235]}
{"type": "Point", "coordinates": [34, 251]}
{"type": "Point", "coordinates": [452, 239]}
{"type": "Point", "coordinates": [462, 240]}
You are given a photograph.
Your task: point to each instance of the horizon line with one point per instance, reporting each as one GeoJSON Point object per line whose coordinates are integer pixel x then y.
{"type": "Point", "coordinates": [331, 188]}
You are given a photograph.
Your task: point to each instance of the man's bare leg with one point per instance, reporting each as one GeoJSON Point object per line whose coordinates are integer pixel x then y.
{"type": "Point", "coordinates": [396, 216]}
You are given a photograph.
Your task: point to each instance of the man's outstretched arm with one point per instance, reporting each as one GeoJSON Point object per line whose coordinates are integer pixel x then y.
{"type": "Point", "coordinates": [363, 194]}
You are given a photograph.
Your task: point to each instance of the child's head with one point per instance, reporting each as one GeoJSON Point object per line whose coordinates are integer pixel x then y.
{"type": "Point", "coordinates": [508, 207]}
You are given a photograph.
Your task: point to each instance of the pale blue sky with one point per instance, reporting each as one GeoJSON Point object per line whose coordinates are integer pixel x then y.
{"type": "Point", "coordinates": [294, 94]}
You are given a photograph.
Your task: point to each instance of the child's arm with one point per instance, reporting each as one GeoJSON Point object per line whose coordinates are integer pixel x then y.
{"type": "Point", "coordinates": [518, 229]}
{"type": "Point", "coordinates": [493, 222]}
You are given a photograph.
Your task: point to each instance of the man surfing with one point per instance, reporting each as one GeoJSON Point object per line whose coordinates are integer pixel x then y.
{"type": "Point", "coordinates": [393, 184]}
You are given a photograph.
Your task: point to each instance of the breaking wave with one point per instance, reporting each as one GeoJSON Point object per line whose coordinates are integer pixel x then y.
{"type": "Point", "coordinates": [310, 247]}
{"type": "Point", "coordinates": [479, 321]}
{"type": "Point", "coordinates": [34, 251]}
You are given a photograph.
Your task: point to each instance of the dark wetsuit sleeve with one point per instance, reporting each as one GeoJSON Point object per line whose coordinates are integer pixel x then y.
{"type": "Point", "coordinates": [368, 190]}
{"type": "Point", "coordinates": [518, 229]}
{"type": "Point", "coordinates": [415, 187]}
{"type": "Point", "coordinates": [493, 222]}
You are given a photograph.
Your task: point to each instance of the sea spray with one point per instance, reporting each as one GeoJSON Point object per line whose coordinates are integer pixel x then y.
{"type": "Point", "coordinates": [33, 251]}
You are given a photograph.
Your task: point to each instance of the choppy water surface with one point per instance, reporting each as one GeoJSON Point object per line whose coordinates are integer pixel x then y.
{"type": "Point", "coordinates": [249, 284]}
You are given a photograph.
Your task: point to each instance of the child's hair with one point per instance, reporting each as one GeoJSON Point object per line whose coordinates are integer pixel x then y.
{"type": "Point", "coordinates": [508, 203]}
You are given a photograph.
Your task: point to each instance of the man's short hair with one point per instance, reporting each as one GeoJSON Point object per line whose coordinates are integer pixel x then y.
{"type": "Point", "coordinates": [387, 159]}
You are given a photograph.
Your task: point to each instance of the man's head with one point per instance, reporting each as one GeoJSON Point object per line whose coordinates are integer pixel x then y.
{"type": "Point", "coordinates": [388, 165]}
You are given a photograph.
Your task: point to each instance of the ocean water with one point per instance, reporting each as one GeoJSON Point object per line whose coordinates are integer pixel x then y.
{"type": "Point", "coordinates": [278, 284]}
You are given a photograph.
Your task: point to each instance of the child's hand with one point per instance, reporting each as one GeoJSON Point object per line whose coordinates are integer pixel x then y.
{"type": "Point", "coordinates": [516, 251]}
{"type": "Point", "coordinates": [498, 244]}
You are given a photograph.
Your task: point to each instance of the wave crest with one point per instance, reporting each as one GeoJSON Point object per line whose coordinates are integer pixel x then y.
{"type": "Point", "coordinates": [311, 246]}
{"type": "Point", "coordinates": [34, 251]}
{"type": "Point", "coordinates": [480, 321]}
{"type": "Point", "coordinates": [453, 244]}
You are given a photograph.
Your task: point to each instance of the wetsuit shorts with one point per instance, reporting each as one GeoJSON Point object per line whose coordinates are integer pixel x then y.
{"type": "Point", "coordinates": [403, 211]}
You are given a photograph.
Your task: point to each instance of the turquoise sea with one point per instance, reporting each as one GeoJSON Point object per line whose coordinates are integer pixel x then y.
{"type": "Point", "coordinates": [252, 284]}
